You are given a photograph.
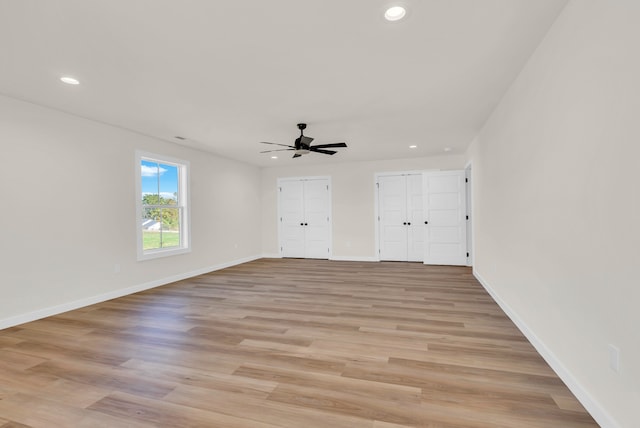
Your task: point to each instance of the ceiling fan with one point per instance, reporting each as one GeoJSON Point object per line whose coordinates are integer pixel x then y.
{"type": "Point", "coordinates": [302, 145]}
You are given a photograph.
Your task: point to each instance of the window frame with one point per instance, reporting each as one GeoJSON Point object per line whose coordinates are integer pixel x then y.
{"type": "Point", "coordinates": [183, 203]}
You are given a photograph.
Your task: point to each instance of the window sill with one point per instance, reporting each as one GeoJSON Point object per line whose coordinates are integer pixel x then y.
{"type": "Point", "coordinates": [156, 254]}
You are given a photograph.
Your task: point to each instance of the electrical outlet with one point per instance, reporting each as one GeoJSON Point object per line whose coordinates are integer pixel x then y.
{"type": "Point", "coordinates": [614, 358]}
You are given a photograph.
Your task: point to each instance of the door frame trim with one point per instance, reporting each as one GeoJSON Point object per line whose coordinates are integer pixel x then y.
{"type": "Point", "coordinates": [468, 174]}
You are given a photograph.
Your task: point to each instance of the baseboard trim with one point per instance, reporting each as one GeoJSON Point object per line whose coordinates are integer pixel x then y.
{"type": "Point", "coordinates": [336, 258]}
{"type": "Point", "coordinates": [65, 307]}
{"type": "Point", "coordinates": [271, 256]}
{"type": "Point", "coordinates": [354, 258]}
{"type": "Point", "coordinates": [602, 417]}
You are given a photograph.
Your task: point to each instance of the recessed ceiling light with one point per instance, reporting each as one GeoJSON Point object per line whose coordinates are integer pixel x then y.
{"type": "Point", "coordinates": [395, 13]}
{"type": "Point", "coordinates": [274, 157]}
{"type": "Point", "coordinates": [447, 149]}
{"type": "Point", "coordinates": [70, 80]}
{"type": "Point", "coordinates": [413, 146]}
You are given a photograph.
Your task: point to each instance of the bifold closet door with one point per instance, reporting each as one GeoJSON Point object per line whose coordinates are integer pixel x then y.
{"type": "Point", "coordinates": [415, 219]}
{"type": "Point", "coordinates": [400, 210]}
{"type": "Point", "coordinates": [304, 218]}
{"type": "Point", "coordinates": [291, 201]}
{"type": "Point", "coordinates": [316, 219]}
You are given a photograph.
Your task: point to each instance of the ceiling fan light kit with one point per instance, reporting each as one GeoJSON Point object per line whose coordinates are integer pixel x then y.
{"type": "Point", "coordinates": [302, 145]}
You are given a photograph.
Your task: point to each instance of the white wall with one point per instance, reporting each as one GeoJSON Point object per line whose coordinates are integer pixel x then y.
{"type": "Point", "coordinates": [68, 216]}
{"type": "Point", "coordinates": [557, 202]}
{"type": "Point", "coordinates": [353, 196]}
{"type": "Point", "coordinates": [556, 205]}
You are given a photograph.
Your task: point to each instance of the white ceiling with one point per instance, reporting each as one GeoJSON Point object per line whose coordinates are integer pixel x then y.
{"type": "Point", "coordinates": [229, 74]}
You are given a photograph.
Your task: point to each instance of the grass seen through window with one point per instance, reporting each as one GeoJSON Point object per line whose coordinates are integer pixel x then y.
{"type": "Point", "coordinates": [156, 239]}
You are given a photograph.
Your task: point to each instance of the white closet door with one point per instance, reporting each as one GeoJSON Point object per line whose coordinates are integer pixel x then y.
{"type": "Point", "coordinates": [304, 208]}
{"type": "Point", "coordinates": [316, 219]}
{"type": "Point", "coordinates": [415, 218]}
{"type": "Point", "coordinates": [445, 211]}
{"type": "Point", "coordinates": [392, 201]}
{"type": "Point", "coordinates": [291, 201]}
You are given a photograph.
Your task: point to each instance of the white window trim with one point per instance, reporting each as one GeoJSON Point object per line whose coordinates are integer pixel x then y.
{"type": "Point", "coordinates": [185, 203]}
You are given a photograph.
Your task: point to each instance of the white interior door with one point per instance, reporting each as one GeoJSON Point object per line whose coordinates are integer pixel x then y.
{"type": "Point", "coordinates": [291, 205]}
{"type": "Point", "coordinates": [304, 208]}
{"type": "Point", "coordinates": [316, 219]}
{"type": "Point", "coordinates": [401, 212]}
{"type": "Point", "coordinates": [445, 213]}
{"type": "Point", "coordinates": [415, 218]}
{"type": "Point", "coordinates": [392, 210]}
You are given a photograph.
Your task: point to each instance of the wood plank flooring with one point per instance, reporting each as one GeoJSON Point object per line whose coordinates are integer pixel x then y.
{"type": "Point", "coordinates": [286, 343]}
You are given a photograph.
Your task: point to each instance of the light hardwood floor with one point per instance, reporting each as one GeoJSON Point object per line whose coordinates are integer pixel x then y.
{"type": "Point", "coordinates": [286, 343]}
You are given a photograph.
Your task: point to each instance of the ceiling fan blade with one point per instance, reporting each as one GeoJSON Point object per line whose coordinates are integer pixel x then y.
{"type": "Point", "coordinates": [323, 146]}
{"type": "Point", "coordinates": [326, 152]}
{"type": "Point", "coordinates": [275, 144]}
{"type": "Point", "coordinates": [297, 155]}
{"type": "Point", "coordinates": [305, 140]}
{"type": "Point", "coordinates": [277, 150]}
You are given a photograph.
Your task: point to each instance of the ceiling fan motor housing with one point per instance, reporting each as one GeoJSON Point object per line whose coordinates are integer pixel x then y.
{"type": "Point", "coordinates": [301, 148]}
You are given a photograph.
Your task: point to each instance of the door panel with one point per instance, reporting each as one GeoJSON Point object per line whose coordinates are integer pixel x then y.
{"type": "Point", "coordinates": [441, 217]}
{"type": "Point", "coordinates": [447, 253]}
{"type": "Point", "coordinates": [445, 234]}
{"type": "Point", "coordinates": [316, 208]}
{"type": "Point", "coordinates": [395, 243]}
{"type": "Point", "coordinates": [442, 182]}
{"type": "Point", "coordinates": [392, 208]}
{"type": "Point", "coordinates": [445, 211]}
{"type": "Point", "coordinates": [291, 214]}
{"type": "Point", "coordinates": [443, 200]}
{"type": "Point", "coordinates": [415, 216]}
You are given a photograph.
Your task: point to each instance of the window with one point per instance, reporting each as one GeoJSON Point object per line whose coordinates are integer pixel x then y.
{"type": "Point", "coordinates": [162, 206]}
